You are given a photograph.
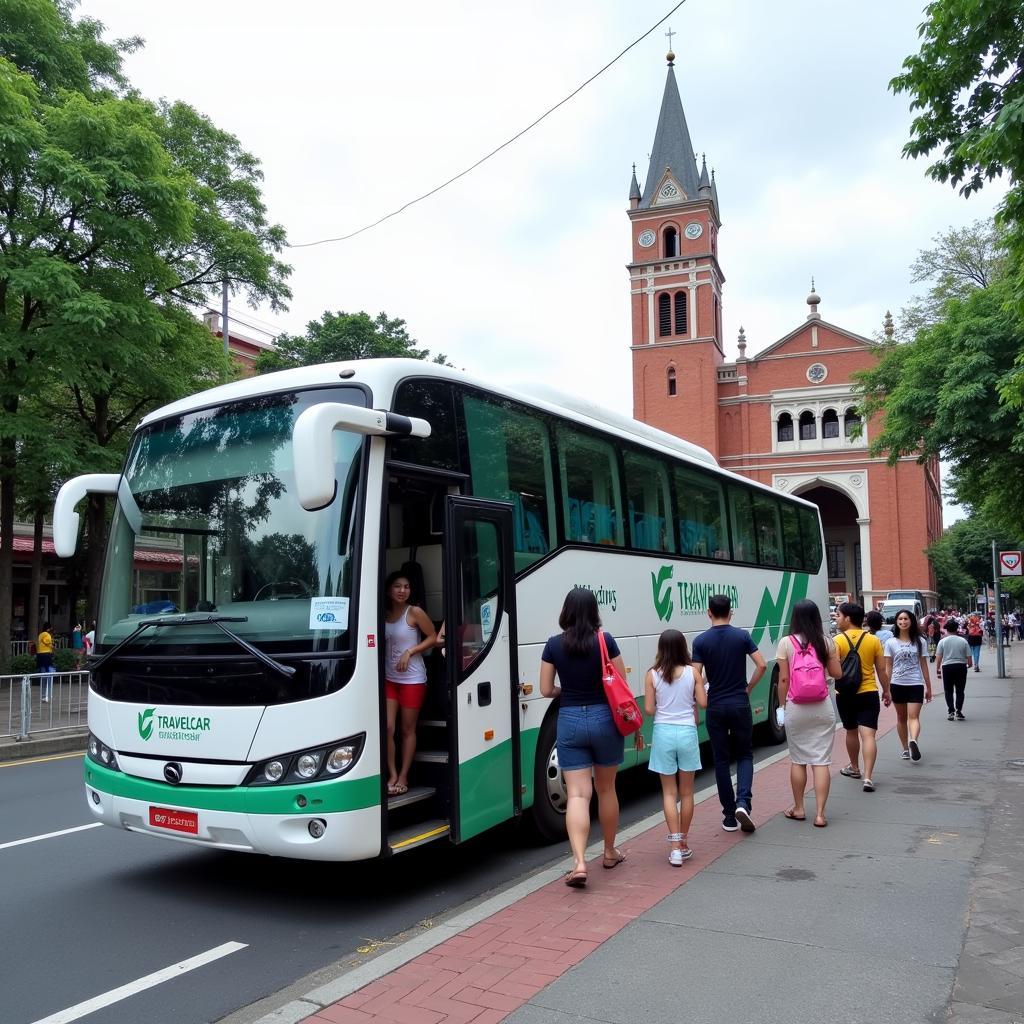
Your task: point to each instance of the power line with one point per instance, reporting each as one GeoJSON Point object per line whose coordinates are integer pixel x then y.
{"type": "Point", "coordinates": [493, 152]}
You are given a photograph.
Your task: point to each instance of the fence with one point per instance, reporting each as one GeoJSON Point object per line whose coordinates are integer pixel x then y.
{"type": "Point", "coordinates": [60, 643]}
{"type": "Point", "coordinates": [42, 702]}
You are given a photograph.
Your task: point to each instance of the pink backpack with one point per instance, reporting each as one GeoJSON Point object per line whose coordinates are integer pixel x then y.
{"type": "Point", "coordinates": [807, 683]}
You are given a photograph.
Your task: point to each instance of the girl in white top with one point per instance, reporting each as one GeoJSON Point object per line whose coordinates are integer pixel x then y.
{"type": "Point", "coordinates": [906, 664]}
{"type": "Point", "coordinates": [408, 632]}
{"type": "Point", "coordinates": [673, 690]}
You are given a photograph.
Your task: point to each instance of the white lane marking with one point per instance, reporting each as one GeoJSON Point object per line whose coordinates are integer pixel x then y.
{"type": "Point", "coordinates": [149, 981]}
{"type": "Point", "coordinates": [51, 835]}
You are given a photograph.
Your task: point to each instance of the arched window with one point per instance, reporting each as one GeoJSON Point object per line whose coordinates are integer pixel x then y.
{"type": "Point", "coordinates": [671, 381]}
{"type": "Point", "coordinates": [851, 422]}
{"type": "Point", "coordinates": [681, 327]}
{"type": "Point", "coordinates": [664, 315]}
{"type": "Point", "coordinates": [671, 237]}
{"type": "Point", "coordinates": [830, 423]}
{"type": "Point", "coordinates": [784, 429]}
{"type": "Point", "coordinates": [718, 320]}
{"type": "Point", "coordinates": [808, 428]}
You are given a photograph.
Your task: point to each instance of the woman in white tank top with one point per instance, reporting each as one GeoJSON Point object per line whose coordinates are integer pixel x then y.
{"type": "Point", "coordinates": [673, 690]}
{"type": "Point", "coordinates": [408, 632]}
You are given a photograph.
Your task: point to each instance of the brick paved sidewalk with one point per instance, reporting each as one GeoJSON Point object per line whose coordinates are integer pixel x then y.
{"type": "Point", "coordinates": [485, 973]}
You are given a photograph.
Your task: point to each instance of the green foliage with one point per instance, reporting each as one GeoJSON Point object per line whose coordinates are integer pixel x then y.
{"type": "Point", "coordinates": [63, 661]}
{"type": "Point", "coordinates": [340, 337]}
{"type": "Point", "coordinates": [962, 557]}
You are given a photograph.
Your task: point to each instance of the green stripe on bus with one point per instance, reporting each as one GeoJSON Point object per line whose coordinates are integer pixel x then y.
{"type": "Point", "coordinates": [326, 797]}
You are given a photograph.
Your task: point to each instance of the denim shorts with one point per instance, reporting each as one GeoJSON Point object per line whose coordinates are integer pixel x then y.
{"type": "Point", "coordinates": [587, 737]}
{"type": "Point", "coordinates": [674, 748]}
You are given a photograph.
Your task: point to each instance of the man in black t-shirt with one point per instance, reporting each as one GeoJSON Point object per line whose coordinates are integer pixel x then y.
{"type": "Point", "coordinates": [722, 653]}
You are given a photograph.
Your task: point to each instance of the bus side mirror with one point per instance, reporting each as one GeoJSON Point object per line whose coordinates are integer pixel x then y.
{"type": "Point", "coordinates": [313, 446]}
{"type": "Point", "coordinates": [65, 518]}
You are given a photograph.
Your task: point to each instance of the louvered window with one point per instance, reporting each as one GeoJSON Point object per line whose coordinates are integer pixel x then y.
{"type": "Point", "coordinates": [664, 316]}
{"type": "Point", "coordinates": [681, 327]}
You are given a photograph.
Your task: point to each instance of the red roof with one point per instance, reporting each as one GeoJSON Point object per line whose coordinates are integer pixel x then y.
{"type": "Point", "coordinates": [143, 558]}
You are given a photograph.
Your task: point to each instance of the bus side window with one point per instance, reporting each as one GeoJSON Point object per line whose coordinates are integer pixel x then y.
{"type": "Point", "coordinates": [741, 513]}
{"type": "Point", "coordinates": [648, 495]}
{"type": "Point", "coordinates": [700, 512]}
{"type": "Point", "coordinates": [793, 556]}
{"type": "Point", "coordinates": [810, 534]}
{"type": "Point", "coordinates": [769, 531]}
{"type": "Point", "coordinates": [590, 479]}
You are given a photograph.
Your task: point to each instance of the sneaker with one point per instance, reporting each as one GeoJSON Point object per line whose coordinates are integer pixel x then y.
{"type": "Point", "coordinates": [745, 820]}
{"type": "Point", "coordinates": [686, 853]}
{"type": "Point", "coordinates": [730, 824]}
{"type": "Point", "coordinates": [675, 858]}
{"type": "Point", "coordinates": [869, 786]}
{"type": "Point", "coordinates": [950, 717]}
{"type": "Point", "coordinates": [915, 751]}
{"type": "Point", "coordinates": [960, 717]}
{"type": "Point", "coordinates": [905, 755]}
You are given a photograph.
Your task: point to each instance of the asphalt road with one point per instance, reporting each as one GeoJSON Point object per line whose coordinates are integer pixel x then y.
{"type": "Point", "coordinates": [89, 911]}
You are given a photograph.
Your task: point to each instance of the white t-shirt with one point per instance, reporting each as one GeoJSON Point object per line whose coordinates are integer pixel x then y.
{"type": "Point", "coordinates": [953, 650]}
{"type": "Point", "coordinates": [906, 665]}
{"type": "Point", "coordinates": [674, 700]}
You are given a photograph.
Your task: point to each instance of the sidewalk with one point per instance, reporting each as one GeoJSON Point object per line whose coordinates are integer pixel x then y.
{"type": "Point", "coordinates": [863, 921]}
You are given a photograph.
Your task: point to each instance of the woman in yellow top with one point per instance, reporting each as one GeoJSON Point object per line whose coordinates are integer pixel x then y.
{"type": "Point", "coordinates": [44, 662]}
{"type": "Point", "coordinates": [859, 712]}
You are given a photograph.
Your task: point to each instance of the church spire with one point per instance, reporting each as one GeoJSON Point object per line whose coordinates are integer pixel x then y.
{"type": "Point", "coordinates": [634, 190]}
{"type": "Point", "coordinates": [672, 148]}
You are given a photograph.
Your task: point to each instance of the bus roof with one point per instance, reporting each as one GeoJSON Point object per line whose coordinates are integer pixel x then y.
{"type": "Point", "coordinates": [382, 376]}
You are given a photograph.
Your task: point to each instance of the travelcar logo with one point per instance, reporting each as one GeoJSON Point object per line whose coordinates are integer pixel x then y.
{"type": "Point", "coordinates": [172, 727]}
{"type": "Point", "coordinates": [326, 617]}
{"type": "Point", "coordinates": [692, 596]}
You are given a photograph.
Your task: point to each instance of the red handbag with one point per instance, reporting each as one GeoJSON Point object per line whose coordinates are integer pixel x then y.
{"type": "Point", "coordinates": [624, 708]}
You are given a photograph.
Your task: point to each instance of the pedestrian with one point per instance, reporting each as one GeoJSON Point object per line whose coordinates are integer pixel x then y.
{"type": "Point", "coordinates": [721, 653]}
{"type": "Point", "coordinates": [90, 640]}
{"type": "Point", "coordinates": [934, 635]}
{"type": "Point", "coordinates": [44, 662]}
{"type": "Point", "coordinates": [975, 638]}
{"type": "Point", "coordinates": [806, 658]}
{"type": "Point", "coordinates": [873, 620]}
{"type": "Point", "coordinates": [588, 740]}
{"type": "Point", "coordinates": [906, 662]}
{"type": "Point", "coordinates": [408, 632]}
{"type": "Point", "coordinates": [951, 664]}
{"type": "Point", "coordinates": [77, 645]}
{"type": "Point", "coordinates": [859, 711]}
{"type": "Point", "coordinates": [671, 689]}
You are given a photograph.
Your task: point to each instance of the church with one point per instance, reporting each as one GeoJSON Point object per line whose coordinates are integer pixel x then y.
{"type": "Point", "coordinates": [785, 416]}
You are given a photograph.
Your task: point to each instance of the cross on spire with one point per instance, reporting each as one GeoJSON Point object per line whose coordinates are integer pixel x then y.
{"type": "Point", "coordinates": [670, 34]}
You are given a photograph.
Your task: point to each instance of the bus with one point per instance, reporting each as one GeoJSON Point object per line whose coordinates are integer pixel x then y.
{"type": "Point", "coordinates": [261, 517]}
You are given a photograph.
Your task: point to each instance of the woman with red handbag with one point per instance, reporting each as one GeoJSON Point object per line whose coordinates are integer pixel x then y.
{"type": "Point", "coordinates": [588, 738]}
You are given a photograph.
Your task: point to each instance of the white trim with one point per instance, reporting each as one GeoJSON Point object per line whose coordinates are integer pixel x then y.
{"type": "Point", "coordinates": [853, 485]}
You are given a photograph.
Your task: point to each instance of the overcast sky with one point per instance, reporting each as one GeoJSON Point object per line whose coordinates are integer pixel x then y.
{"type": "Point", "coordinates": [517, 271]}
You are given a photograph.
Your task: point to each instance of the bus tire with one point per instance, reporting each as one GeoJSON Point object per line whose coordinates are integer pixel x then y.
{"type": "Point", "coordinates": [549, 797]}
{"type": "Point", "coordinates": [771, 731]}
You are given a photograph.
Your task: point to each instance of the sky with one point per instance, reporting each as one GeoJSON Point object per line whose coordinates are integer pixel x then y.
{"type": "Point", "coordinates": [517, 271]}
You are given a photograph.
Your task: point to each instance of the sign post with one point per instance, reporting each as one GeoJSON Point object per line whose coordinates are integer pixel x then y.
{"type": "Point", "coordinates": [1000, 654]}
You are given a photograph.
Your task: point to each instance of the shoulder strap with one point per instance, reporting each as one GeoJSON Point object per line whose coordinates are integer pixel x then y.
{"type": "Point", "coordinates": [604, 649]}
{"type": "Point", "coordinates": [797, 646]}
{"type": "Point", "coordinates": [856, 647]}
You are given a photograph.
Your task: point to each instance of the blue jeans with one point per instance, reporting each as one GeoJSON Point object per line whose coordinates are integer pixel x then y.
{"type": "Point", "coordinates": [731, 731]}
{"type": "Point", "coordinates": [587, 737]}
{"type": "Point", "coordinates": [976, 655]}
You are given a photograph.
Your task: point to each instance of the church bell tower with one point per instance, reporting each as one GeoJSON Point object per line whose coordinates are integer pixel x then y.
{"type": "Point", "coordinates": [676, 284]}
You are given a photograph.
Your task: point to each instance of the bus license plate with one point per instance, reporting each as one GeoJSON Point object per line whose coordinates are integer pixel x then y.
{"type": "Point", "coordinates": [179, 821]}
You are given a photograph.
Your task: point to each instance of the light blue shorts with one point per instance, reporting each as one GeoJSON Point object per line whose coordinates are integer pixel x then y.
{"type": "Point", "coordinates": [674, 748]}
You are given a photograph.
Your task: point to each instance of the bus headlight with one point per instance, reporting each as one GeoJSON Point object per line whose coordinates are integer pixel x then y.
{"type": "Point", "coordinates": [314, 765]}
{"type": "Point", "coordinates": [96, 750]}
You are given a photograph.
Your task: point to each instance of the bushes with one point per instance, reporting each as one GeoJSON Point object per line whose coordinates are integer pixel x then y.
{"type": "Point", "coordinates": [63, 660]}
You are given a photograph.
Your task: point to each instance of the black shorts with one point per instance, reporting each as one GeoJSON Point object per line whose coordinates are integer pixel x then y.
{"type": "Point", "coordinates": [904, 693]}
{"type": "Point", "coordinates": [860, 709]}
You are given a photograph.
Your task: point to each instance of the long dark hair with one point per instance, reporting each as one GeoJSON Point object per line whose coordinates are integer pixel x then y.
{"type": "Point", "coordinates": [806, 621]}
{"type": "Point", "coordinates": [580, 621]}
{"type": "Point", "coordinates": [391, 577]}
{"type": "Point", "coordinates": [672, 653]}
{"type": "Point", "coordinates": [913, 633]}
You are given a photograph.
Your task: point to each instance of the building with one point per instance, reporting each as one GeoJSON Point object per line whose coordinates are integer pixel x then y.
{"type": "Point", "coordinates": [786, 416]}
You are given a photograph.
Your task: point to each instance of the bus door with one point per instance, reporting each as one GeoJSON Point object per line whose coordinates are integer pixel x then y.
{"type": "Point", "coordinates": [480, 662]}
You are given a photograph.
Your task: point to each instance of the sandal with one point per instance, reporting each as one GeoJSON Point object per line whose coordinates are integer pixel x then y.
{"type": "Point", "coordinates": [850, 772]}
{"type": "Point", "coordinates": [397, 789]}
{"type": "Point", "coordinates": [576, 879]}
{"type": "Point", "coordinates": [794, 817]}
{"type": "Point", "coordinates": [614, 860]}
{"type": "Point", "coordinates": [821, 824]}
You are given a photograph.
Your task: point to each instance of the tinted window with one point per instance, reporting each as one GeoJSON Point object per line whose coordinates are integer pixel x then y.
{"type": "Point", "coordinates": [741, 516]}
{"type": "Point", "coordinates": [510, 460]}
{"type": "Point", "coordinates": [793, 554]}
{"type": "Point", "coordinates": [700, 513]}
{"type": "Point", "coordinates": [648, 499]}
{"type": "Point", "coordinates": [810, 532]}
{"type": "Point", "coordinates": [433, 401]}
{"type": "Point", "coordinates": [769, 530]}
{"type": "Point", "coordinates": [591, 500]}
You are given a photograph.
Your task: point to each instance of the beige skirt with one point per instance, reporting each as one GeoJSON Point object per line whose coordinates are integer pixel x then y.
{"type": "Point", "coordinates": [809, 731]}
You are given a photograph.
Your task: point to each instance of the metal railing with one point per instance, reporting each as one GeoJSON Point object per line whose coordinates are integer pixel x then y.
{"type": "Point", "coordinates": [42, 702]}
{"type": "Point", "coordinates": [60, 643]}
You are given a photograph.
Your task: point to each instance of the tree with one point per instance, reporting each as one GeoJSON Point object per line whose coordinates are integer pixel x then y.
{"type": "Point", "coordinates": [339, 337]}
{"type": "Point", "coordinates": [117, 215]}
{"type": "Point", "coordinates": [962, 558]}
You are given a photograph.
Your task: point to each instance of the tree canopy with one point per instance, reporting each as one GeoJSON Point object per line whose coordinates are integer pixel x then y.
{"type": "Point", "coordinates": [337, 337]}
{"type": "Point", "coordinates": [962, 558]}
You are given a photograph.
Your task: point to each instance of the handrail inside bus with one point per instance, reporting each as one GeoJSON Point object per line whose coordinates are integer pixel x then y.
{"type": "Point", "coordinates": [313, 451]}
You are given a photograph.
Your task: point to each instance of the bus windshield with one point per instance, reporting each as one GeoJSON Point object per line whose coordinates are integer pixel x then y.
{"type": "Point", "coordinates": [207, 520]}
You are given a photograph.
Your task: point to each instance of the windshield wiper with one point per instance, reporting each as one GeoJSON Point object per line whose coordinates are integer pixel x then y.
{"type": "Point", "coordinates": [199, 620]}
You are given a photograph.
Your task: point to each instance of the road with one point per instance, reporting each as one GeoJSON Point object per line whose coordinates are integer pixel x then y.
{"type": "Point", "coordinates": [87, 912]}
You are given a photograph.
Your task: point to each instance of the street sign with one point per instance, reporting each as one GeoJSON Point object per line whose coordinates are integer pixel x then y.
{"type": "Point", "coordinates": [1010, 563]}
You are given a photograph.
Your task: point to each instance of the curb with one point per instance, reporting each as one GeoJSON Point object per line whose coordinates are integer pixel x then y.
{"type": "Point", "coordinates": [60, 741]}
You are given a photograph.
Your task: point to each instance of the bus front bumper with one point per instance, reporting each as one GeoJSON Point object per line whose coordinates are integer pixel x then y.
{"type": "Point", "coordinates": [331, 821]}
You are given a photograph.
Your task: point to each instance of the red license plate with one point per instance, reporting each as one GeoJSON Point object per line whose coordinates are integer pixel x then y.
{"type": "Point", "coordinates": [178, 821]}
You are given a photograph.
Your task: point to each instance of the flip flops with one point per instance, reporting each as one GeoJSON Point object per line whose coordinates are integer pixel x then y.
{"type": "Point", "coordinates": [614, 860]}
{"type": "Point", "coordinates": [576, 879]}
{"type": "Point", "coordinates": [397, 789]}
{"type": "Point", "coordinates": [794, 817]}
{"type": "Point", "coordinates": [850, 772]}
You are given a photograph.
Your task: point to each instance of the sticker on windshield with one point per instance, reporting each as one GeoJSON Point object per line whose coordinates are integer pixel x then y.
{"type": "Point", "coordinates": [328, 613]}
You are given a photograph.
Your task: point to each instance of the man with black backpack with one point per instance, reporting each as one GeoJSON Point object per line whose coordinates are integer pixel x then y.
{"type": "Point", "coordinates": [857, 699]}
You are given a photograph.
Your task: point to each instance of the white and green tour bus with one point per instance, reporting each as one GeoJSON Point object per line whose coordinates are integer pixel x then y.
{"type": "Point", "coordinates": [236, 698]}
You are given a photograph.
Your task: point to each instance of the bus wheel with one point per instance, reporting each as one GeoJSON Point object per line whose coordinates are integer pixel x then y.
{"type": "Point", "coordinates": [771, 731]}
{"type": "Point", "coordinates": [549, 796]}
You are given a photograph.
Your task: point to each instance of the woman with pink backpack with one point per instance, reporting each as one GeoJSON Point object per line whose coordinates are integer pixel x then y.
{"type": "Point", "coordinates": [806, 658]}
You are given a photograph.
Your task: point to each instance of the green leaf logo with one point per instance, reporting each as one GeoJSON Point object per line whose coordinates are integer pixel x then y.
{"type": "Point", "coordinates": [146, 723]}
{"type": "Point", "coordinates": [661, 588]}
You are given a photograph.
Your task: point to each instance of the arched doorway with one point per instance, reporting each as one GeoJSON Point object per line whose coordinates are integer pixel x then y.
{"type": "Point", "coordinates": [842, 541]}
